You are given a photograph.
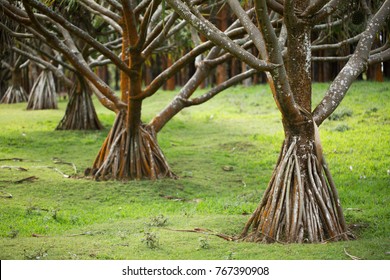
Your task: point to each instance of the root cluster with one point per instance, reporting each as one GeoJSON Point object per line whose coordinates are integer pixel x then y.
{"type": "Point", "coordinates": [80, 112]}
{"type": "Point", "coordinates": [301, 203]}
{"type": "Point", "coordinates": [14, 94]}
{"type": "Point", "coordinates": [130, 154]}
{"type": "Point", "coordinates": [43, 93]}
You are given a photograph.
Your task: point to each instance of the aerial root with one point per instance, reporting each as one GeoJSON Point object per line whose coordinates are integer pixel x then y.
{"type": "Point", "coordinates": [301, 204]}
{"type": "Point", "coordinates": [130, 155]}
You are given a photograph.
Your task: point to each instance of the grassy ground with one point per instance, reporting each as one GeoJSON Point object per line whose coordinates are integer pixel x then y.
{"type": "Point", "coordinates": [53, 217]}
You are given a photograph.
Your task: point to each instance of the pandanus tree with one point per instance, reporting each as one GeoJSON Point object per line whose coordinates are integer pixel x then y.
{"type": "Point", "coordinates": [15, 92]}
{"type": "Point", "coordinates": [301, 202]}
{"type": "Point", "coordinates": [143, 28]}
{"type": "Point", "coordinates": [11, 65]}
{"type": "Point", "coordinates": [80, 113]}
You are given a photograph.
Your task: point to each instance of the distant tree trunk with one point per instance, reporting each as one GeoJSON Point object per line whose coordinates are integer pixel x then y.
{"type": "Point", "coordinates": [386, 69]}
{"type": "Point", "coordinates": [171, 83]}
{"type": "Point", "coordinates": [223, 24]}
{"type": "Point", "coordinates": [374, 73]}
{"type": "Point", "coordinates": [15, 92]}
{"type": "Point", "coordinates": [80, 112]}
{"type": "Point", "coordinates": [117, 75]}
{"type": "Point", "coordinates": [43, 93]}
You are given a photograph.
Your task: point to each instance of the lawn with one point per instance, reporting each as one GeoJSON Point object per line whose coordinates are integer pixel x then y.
{"type": "Point", "coordinates": [223, 152]}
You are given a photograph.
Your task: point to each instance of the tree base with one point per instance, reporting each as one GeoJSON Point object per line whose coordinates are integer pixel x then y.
{"type": "Point", "coordinates": [130, 155]}
{"type": "Point", "coordinates": [80, 112]}
{"type": "Point", "coordinates": [301, 203]}
{"type": "Point", "coordinates": [43, 94]}
{"type": "Point", "coordinates": [14, 94]}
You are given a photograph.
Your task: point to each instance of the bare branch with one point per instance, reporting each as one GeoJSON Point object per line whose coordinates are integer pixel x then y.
{"type": "Point", "coordinates": [356, 64]}
{"type": "Point", "coordinates": [379, 57]}
{"type": "Point", "coordinates": [111, 18]}
{"type": "Point", "coordinates": [329, 24]}
{"type": "Point", "coordinates": [219, 88]}
{"type": "Point", "coordinates": [326, 11]}
{"type": "Point", "coordinates": [180, 63]}
{"type": "Point", "coordinates": [115, 4]}
{"type": "Point", "coordinates": [130, 22]}
{"type": "Point", "coordinates": [79, 33]}
{"type": "Point", "coordinates": [250, 27]}
{"type": "Point", "coordinates": [217, 37]}
{"type": "Point", "coordinates": [15, 34]}
{"type": "Point", "coordinates": [73, 55]}
{"type": "Point", "coordinates": [275, 6]}
{"type": "Point", "coordinates": [58, 73]}
{"type": "Point", "coordinates": [280, 86]}
{"type": "Point", "coordinates": [145, 22]}
{"type": "Point", "coordinates": [31, 48]}
{"type": "Point", "coordinates": [337, 45]}
{"type": "Point", "coordinates": [314, 7]}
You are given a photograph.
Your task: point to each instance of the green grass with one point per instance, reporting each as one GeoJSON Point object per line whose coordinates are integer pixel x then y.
{"type": "Point", "coordinates": [55, 217]}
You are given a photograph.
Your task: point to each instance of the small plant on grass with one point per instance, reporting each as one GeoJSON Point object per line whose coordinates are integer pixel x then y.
{"type": "Point", "coordinates": [341, 127]}
{"type": "Point", "coordinates": [157, 221]}
{"type": "Point", "coordinates": [13, 232]}
{"type": "Point", "coordinates": [204, 243]}
{"type": "Point", "coordinates": [230, 256]}
{"type": "Point", "coordinates": [39, 254]}
{"type": "Point", "coordinates": [340, 114]}
{"type": "Point", "coordinates": [151, 240]}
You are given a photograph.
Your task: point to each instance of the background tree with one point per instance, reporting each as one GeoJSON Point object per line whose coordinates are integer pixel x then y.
{"type": "Point", "coordinates": [15, 92]}
{"type": "Point", "coordinates": [80, 113]}
{"type": "Point", "coordinates": [131, 150]}
{"type": "Point", "coordinates": [301, 203]}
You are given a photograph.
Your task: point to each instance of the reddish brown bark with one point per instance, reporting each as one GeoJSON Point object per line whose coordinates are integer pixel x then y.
{"type": "Point", "coordinates": [171, 83]}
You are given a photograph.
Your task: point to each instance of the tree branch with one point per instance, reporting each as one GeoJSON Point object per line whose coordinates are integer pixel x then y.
{"type": "Point", "coordinates": [314, 7]}
{"type": "Point", "coordinates": [73, 55]}
{"type": "Point", "coordinates": [219, 88]}
{"type": "Point", "coordinates": [108, 16]}
{"type": "Point", "coordinates": [217, 37]}
{"type": "Point", "coordinates": [15, 34]}
{"type": "Point", "coordinates": [58, 73]}
{"type": "Point", "coordinates": [80, 34]}
{"type": "Point", "coordinates": [356, 64]}
{"type": "Point", "coordinates": [280, 87]}
{"type": "Point", "coordinates": [326, 11]}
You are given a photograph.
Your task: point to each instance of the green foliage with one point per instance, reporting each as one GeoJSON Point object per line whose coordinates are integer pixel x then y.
{"type": "Point", "coordinates": [340, 114]}
{"type": "Point", "coordinates": [151, 240]}
{"type": "Point", "coordinates": [157, 221]}
{"type": "Point", "coordinates": [76, 218]}
{"type": "Point", "coordinates": [204, 243]}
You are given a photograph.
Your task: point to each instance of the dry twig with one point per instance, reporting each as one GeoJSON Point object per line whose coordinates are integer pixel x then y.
{"type": "Point", "coordinates": [351, 256]}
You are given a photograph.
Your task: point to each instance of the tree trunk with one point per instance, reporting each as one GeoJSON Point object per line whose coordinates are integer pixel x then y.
{"type": "Point", "coordinates": [43, 93]}
{"type": "Point", "coordinates": [15, 92]}
{"type": "Point", "coordinates": [80, 112]}
{"type": "Point", "coordinates": [301, 203]}
{"type": "Point", "coordinates": [130, 151]}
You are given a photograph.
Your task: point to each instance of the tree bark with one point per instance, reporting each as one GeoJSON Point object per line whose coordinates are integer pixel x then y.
{"type": "Point", "coordinates": [301, 203]}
